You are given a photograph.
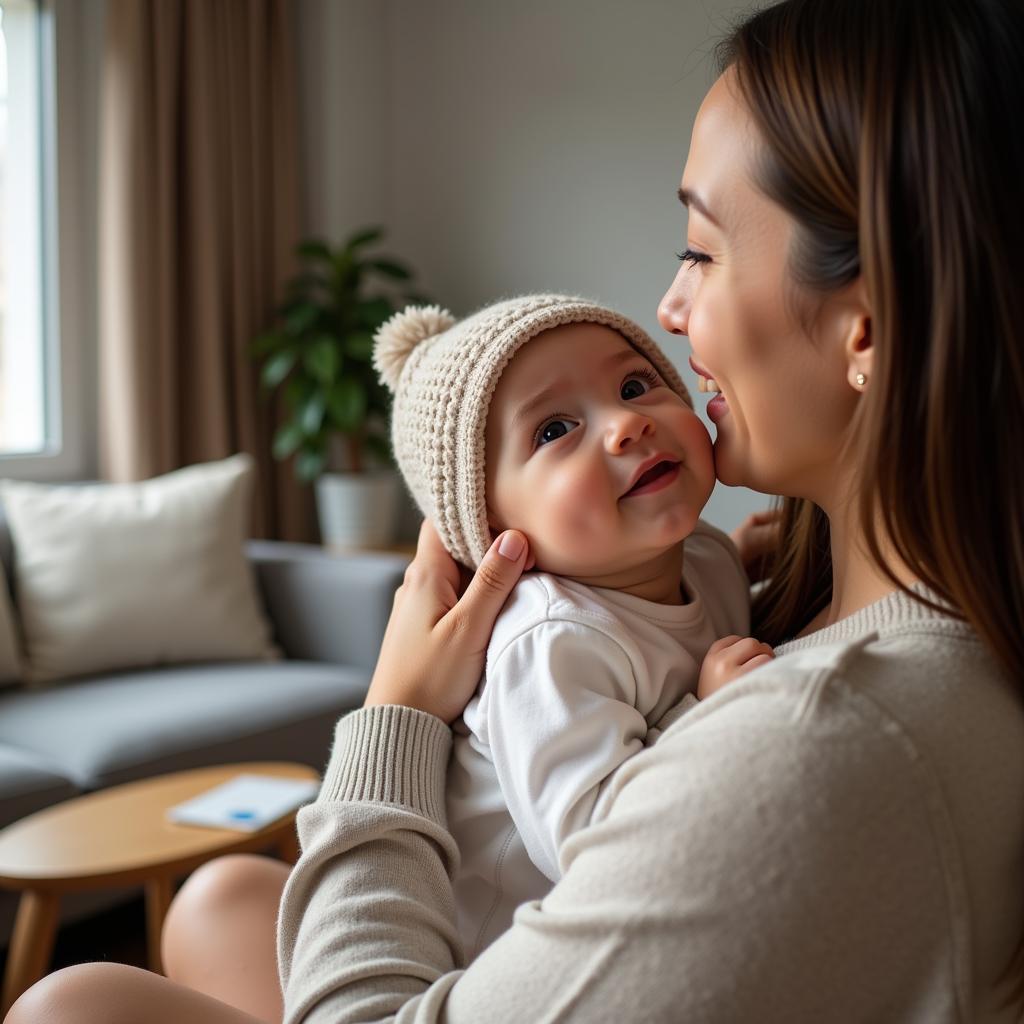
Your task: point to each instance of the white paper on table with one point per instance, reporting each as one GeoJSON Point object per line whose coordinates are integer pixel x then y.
{"type": "Point", "coordinates": [245, 803]}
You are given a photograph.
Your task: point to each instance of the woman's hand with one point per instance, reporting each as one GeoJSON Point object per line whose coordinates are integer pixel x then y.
{"type": "Point", "coordinates": [757, 537]}
{"type": "Point", "coordinates": [433, 652]}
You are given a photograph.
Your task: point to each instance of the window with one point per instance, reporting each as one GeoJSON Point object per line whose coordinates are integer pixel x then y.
{"type": "Point", "coordinates": [25, 427]}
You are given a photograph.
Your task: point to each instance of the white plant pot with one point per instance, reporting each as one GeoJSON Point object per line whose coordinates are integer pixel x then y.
{"type": "Point", "coordinates": [358, 510]}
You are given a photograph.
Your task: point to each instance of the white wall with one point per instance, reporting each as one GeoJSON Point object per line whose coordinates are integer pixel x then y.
{"type": "Point", "coordinates": [343, 98]}
{"type": "Point", "coordinates": [513, 147]}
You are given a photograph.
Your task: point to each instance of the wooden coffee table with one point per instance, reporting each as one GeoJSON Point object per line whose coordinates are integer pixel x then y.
{"type": "Point", "coordinates": [113, 838]}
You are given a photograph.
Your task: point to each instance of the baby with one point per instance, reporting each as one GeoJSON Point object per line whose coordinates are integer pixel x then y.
{"type": "Point", "coordinates": [563, 420]}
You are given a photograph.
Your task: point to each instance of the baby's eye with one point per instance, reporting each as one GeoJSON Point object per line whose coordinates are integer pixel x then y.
{"type": "Point", "coordinates": [638, 383]}
{"type": "Point", "coordinates": [634, 388]}
{"type": "Point", "coordinates": [553, 430]}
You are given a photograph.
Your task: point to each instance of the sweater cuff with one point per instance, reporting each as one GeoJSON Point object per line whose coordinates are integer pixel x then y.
{"type": "Point", "coordinates": [390, 754]}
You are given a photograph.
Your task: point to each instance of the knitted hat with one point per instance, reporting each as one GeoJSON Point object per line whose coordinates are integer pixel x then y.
{"type": "Point", "coordinates": [443, 375]}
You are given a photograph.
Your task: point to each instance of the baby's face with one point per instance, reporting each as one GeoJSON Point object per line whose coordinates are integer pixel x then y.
{"type": "Point", "coordinates": [598, 461]}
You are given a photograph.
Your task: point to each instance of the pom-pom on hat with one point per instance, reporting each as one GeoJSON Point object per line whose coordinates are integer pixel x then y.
{"type": "Point", "coordinates": [443, 373]}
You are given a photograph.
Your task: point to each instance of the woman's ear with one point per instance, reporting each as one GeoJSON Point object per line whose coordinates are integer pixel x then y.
{"type": "Point", "coordinates": [857, 344]}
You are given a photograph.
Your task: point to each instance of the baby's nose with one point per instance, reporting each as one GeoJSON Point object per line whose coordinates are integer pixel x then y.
{"type": "Point", "coordinates": [627, 427]}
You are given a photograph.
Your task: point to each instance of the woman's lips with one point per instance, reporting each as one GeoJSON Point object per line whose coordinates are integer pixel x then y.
{"type": "Point", "coordinates": [717, 408]}
{"type": "Point", "coordinates": [705, 382]}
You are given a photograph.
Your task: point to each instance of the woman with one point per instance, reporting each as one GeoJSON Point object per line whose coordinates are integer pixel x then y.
{"type": "Point", "coordinates": [840, 835]}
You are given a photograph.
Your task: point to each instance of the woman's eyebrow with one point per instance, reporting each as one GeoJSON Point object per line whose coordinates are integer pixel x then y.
{"type": "Point", "coordinates": [690, 198]}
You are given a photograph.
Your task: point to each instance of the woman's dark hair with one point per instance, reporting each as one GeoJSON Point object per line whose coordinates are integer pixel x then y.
{"type": "Point", "coordinates": [890, 133]}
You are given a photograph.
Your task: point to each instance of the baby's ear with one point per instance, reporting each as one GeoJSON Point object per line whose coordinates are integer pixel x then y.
{"type": "Point", "coordinates": [493, 523]}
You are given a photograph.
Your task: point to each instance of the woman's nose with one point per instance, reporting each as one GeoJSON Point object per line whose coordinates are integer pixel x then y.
{"type": "Point", "coordinates": [674, 308]}
{"type": "Point", "coordinates": [626, 427]}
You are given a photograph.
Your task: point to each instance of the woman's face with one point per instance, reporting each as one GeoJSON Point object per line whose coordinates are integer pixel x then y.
{"type": "Point", "coordinates": [780, 362]}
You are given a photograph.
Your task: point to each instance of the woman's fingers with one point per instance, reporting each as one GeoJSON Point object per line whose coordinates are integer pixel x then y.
{"type": "Point", "coordinates": [433, 652]}
{"type": "Point", "coordinates": [767, 515]}
{"type": "Point", "coordinates": [472, 619]}
{"type": "Point", "coordinates": [433, 566]}
{"type": "Point", "coordinates": [755, 538]}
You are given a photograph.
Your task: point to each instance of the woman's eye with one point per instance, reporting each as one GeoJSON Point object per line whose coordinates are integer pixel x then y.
{"type": "Point", "coordinates": [553, 430]}
{"type": "Point", "coordinates": [691, 256]}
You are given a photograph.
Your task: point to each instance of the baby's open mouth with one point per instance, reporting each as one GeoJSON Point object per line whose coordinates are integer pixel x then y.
{"type": "Point", "coordinates": [654, 474]}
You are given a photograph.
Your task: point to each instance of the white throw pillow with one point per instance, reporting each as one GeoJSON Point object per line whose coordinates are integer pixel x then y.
{"type": "Point", "coordinates": [116, 576]}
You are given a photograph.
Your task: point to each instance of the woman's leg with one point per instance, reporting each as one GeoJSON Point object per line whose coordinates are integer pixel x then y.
{"type": "Point", "coordinates": [220, 933]}
{"type": "Point", "coordinates": [106, 993]}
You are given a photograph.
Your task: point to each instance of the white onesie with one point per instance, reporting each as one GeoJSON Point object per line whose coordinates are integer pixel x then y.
{"type": "Point", "coordinates": [575, 677]}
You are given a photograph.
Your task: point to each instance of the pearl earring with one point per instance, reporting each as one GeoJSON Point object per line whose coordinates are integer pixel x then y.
{"type": "Point", "coordinates": [861, 380]}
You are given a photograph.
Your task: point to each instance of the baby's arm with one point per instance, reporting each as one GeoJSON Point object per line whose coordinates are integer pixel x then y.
{"type": "Point", "coordinates": [558, 703]}
{"type": "Point", "coordinates": [728, 659]}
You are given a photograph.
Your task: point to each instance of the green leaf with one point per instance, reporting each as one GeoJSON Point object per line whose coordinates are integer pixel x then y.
{"type": "Point", "coordinates": [301, 318]}
{"type": "Point", "coordinates": [277, 368]}
{"type": "Point", "coordinates": [323, 359]}
{"type": "Point", "coordinates": [266, 343]}
{"type": "Point", "coordinates": [287, 440]}
{"type": "Point", "coordinates": [381, 448]}
{"type": "Point", "coordinates": [347, 404]}
{"type": "Point", "coordinates": [309, 464]}
{"type": "Point", "coordinates": [345, 282]}
{"type": "Point", "coordinates": [360, 239]}
{"type": "Point", "coordinates": [371, 313]}
{"type": "Point", "coordinates": [391, 269]}
{"type": "Point", "coordinates": [304, 288]}
{"type": "Point", "coordinates": [314, 249]}
{"type": "Point", "coordinates": [312, 416]}
{"type": "Point", "coordinates": [359, 345]}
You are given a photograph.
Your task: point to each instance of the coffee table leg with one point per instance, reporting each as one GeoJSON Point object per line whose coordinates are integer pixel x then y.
{"type": "Point", "coordinates": [158, 899]}
{"type": "Point", "coordinates": [288, 848]}
{"type": "Point", "coordinates": [31, 944]}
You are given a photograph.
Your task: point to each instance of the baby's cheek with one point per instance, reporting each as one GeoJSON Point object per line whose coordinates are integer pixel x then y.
{"type": "Point", "coordinates": [571, 522]}
{"type": "Point", "coordinates": [698, 444]}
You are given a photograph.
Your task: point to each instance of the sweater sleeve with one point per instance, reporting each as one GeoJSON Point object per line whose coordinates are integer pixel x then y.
{"type": "Point", "coordinates": [750, 867]}
{"type": "Point", "coordinates": [559, 705]}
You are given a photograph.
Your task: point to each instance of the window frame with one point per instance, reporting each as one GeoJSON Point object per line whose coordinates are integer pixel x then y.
{"type": "Point", "coordinates": [68, 318]}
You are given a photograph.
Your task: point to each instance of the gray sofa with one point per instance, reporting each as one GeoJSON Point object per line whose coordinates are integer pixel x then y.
{"type": "Point", "coordinates": [328, 614]}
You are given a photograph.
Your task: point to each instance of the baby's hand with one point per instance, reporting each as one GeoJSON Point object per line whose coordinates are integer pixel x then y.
{"type": "Point", "coordinates": [728, 659]}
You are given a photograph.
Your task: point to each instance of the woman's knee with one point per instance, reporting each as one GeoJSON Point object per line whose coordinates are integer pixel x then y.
{"type": "Point", "coordinates": [227, 879]}
{"type": "Point", "coordinates": [212, 898]}
{"type": "Point", "coordinates": [83, 994]}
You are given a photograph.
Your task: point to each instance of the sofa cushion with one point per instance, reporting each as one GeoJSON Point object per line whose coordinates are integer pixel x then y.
{"type": "Point", "coordinates": [10, 667]}
{"type": "Point", "coordinates": [133, 725]}
{"type": "Point", "coordinates": [113, 576]}
{"type": "Point", "coordinates": [28, 784]}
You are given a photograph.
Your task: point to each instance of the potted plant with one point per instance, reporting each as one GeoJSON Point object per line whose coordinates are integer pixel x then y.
{"type": "Point", "coordinates": [318, 353]}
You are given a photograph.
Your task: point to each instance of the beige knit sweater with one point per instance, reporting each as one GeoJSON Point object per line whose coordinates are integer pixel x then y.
{"type": "Point", "coordinates": [837, 837]}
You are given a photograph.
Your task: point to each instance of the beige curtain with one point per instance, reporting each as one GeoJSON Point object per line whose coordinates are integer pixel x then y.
{"type": "Point", "coordinates": [199, 215]}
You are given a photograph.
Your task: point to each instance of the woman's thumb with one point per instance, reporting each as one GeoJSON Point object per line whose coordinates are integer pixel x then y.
{"type": "Point", "coordinates": [495, 576]}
